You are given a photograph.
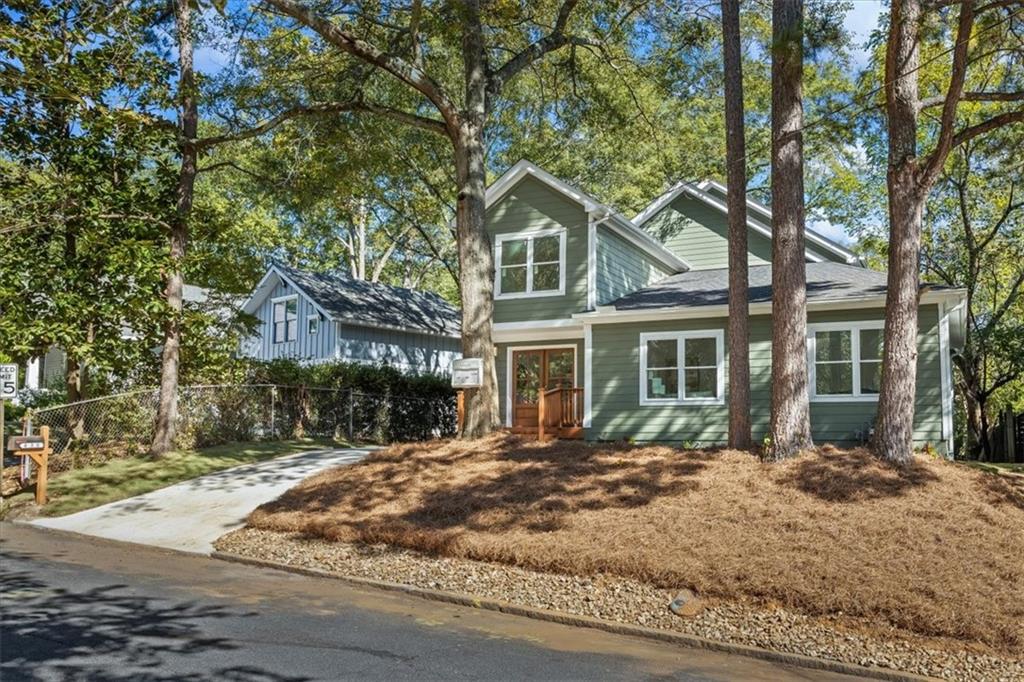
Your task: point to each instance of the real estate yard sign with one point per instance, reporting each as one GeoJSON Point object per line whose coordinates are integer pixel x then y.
{"type": "Point", "coordinates": [468, 373]}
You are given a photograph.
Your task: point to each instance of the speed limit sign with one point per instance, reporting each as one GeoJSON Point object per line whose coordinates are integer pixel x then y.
{"type": "Point", "coordinates": [8, 382]}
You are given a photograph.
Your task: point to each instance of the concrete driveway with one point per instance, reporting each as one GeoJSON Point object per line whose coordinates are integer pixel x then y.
{"type": "Point", "coordinates": [189, 516]}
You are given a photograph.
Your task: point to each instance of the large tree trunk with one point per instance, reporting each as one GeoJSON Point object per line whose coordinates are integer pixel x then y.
{"type": "Point", "coordinates": [894, 427]}
{"type": "Point", "coordinates": [476, 262]}
{"type": "Point", "coordinates": [735, 154]}
{"type": "Point", "coordinates": [790, 411]}
{"type": "Point", "coordinates": [167, 408]}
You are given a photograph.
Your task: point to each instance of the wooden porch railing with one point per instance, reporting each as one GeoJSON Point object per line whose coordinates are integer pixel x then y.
{"type": "Point", "coordinates": [560, 413]}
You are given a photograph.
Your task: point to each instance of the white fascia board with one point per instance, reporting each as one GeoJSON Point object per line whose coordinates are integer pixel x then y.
{"type": "Point", "coordinates": [541, 330]}
{"type": "Point", "coordinates": [700, 193]}
{"type": "Point", "coordinates": [265, 286]}
{"type": "Point", "coordinates": [500, 187]}
{"type": "Point", "coordinates": [302, 292]}
{"type": "Point", "coordinates": [609, 315]}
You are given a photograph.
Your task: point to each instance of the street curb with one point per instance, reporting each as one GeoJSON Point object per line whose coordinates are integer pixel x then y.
{"type": "Point", "coordinates": [691, 641]}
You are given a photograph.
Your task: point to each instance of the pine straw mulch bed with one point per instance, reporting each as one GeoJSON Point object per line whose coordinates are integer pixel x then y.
{"type": "Point", "coordinates": [936, 549]}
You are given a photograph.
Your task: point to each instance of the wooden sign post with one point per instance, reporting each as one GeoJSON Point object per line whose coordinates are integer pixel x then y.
{"type": "Point", "coordinates": [38, 448]}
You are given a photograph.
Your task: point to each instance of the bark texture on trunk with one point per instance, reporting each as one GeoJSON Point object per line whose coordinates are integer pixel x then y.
{"type": "Point", "coordinates": [894, 427]}
{"type": "Point", "coordinates": [790, 410]}
{"type": "Point", "coordinates": [739, 308]}
{"type": "Point", "coordinates": [166, 425]}
{"type": "Point", "coordinates": [476, 261]}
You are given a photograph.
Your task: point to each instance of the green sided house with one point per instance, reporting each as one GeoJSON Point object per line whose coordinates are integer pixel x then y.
{"type": "Point", "coordinates": [608, 328]}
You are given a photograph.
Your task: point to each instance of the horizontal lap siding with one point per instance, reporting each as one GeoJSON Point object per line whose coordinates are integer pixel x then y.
{"type": "Point", "coordinates": [529, 206]}
{"type": "Point", "coordinates": [616, 373]}
{"type": "Point", "coordinates": [697, 233]}
{"type": "Point", "coordinates": [824, 254]}
{"type": "Point", "coordinates": [407, 351]}
{"type": "Point", "coordinates": [621, 267]}
{"type": "Point", "coordinates": [319, 346]}
{"type": "Point", "coordinates": [501, 365]}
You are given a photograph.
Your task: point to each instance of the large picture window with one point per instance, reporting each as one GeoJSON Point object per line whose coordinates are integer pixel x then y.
{"type": "Point", "coordinates": [286, 319]}
{"type": "Point", "coordinates": [530, 264]}
{"type": "Point", "coordinates": [682, 367]}
{"type": "Point", "coordinates": [845, 360]}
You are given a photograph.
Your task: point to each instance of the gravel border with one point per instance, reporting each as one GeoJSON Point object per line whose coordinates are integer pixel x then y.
{"type": "Point", "coordinates": [602, 599]}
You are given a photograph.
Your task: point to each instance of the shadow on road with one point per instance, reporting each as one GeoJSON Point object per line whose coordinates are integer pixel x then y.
{"type": "Point", "coordinates": [106, 633]}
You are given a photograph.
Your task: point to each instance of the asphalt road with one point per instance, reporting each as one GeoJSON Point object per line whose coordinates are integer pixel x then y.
{"type": "Point", "coordinates": [77, 608]}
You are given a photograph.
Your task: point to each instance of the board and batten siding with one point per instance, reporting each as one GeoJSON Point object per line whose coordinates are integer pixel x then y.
{"type": "Point", "coordinates": [501, 366]}
{"type": "Point", "coordinates": [409, 351]}
{"type": "Point", "coordinates": [531, 205]}
{"type": "Point", "coordinates": [622, 268]}
{"type": "Point", "coordinates": [698, 234]}
{"type": "Point", "coordinates": [617, 414]}
{"type": "Point", "coordinates": [319, 346]}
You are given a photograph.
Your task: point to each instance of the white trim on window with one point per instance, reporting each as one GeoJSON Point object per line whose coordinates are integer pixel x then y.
{"type": "Point", "coordinates": [680, 338]}
{"type": "Point", "coordinates": [310, 319]}
{"type": "Point", "coordinates": [529, 237]}
{"type": "Point", "coordinates": [855, 328]}
{"type": "Point", "coordinates": [274, 322]}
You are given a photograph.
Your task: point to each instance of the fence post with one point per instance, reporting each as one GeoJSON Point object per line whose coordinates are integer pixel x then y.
{"type": "Point", "coordinates": [273, 399]}
{"type": "Point", "coordinates": [350, 431]}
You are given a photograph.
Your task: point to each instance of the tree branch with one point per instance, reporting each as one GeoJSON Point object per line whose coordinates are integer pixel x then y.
{"type": "Point", "coordinates": [998, 121]}
{"type": "Point", "coordinates": [554, 40]}
{"type": "Point", "coordinates": [431, 124]}
{"type": "Point", "coordinates": [937, 159]}
{"type": "Point", "coordinates": [345, 41]}
{"type": "Point", "coordinates": [976, 97]}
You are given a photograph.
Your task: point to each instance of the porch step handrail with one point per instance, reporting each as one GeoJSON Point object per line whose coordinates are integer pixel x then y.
{"type": "Point", "coordinates": [559, 408]}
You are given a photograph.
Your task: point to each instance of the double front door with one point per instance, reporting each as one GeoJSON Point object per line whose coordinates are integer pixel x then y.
{"type": "Point", "coordinates": [534, 371]}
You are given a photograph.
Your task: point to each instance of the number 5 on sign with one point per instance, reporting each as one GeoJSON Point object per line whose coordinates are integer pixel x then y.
{"type": "Point", "coordinates": [8, 382]}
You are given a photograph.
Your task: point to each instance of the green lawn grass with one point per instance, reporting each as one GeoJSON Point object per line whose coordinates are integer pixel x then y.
{"type": "Point", "coordinates": [79, 489]}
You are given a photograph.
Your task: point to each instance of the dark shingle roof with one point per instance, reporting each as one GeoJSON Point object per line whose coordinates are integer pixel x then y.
{"type": "Point", "coordinates": [825, 281]}
{"type": "Point", "coordinates": [361, 302]}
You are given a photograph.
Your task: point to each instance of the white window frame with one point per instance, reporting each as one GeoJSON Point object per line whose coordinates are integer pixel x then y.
{"type": "Point", "coordinates": [680, 338]}
{"type": "Point", "coordinates": [273, 322]}
{"type": "Point", "coordinates": [315, 317]}
{"type": "Point", "coordinates": [529, 237]}
{"type": "Point", "coordinates": [855, 329]}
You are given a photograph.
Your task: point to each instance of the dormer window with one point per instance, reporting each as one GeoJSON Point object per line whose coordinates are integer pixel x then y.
{"type": "Point", "coordinates": [530, 264]}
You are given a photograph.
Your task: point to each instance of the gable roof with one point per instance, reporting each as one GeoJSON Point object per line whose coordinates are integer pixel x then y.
{"type": "Point", "coordinates": [826, 282]}
{"type": "Point", "coordinates": [763, 226]}
{"type": "Point", "coordinates": [604, 213]}
{"type": "Point", "coordinates": [368, 304]}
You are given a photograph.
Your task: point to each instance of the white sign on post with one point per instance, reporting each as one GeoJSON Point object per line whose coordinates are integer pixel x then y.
{"type": "Point", "coordinates": [8, 382]}
{"type": "Point", "coordinates": [468, 373]}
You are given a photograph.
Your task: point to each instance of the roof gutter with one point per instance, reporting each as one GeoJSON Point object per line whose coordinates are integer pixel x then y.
{"type": "Point", "coordinates": [610, 315]}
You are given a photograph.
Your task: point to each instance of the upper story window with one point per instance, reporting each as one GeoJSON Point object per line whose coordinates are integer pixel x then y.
{"type": "Point", "coordinates": [286, 319]}
{"type": "Point", "coordinates": [845, 360]}
{"type": "Point", "coordinates": [682, 368]}
{"type": "Point", "coordinates": [530, 264]}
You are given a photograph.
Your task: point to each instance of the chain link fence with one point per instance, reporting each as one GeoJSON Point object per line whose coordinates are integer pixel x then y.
{"type": "Point", "coordinates": [122, 425]}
